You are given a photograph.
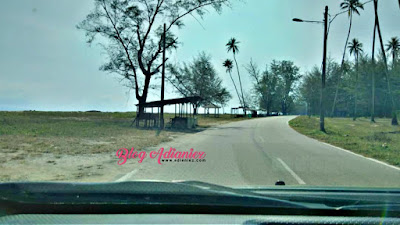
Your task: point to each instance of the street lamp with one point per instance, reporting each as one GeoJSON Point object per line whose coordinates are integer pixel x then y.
{"type": "Point", "coordinates": [306, 21]}
{"type": "Point", "coordinates": [323, 77]}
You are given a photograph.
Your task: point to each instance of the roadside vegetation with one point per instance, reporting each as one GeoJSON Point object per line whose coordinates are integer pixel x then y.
{"type": "Point", "coordinates": [377, 140]}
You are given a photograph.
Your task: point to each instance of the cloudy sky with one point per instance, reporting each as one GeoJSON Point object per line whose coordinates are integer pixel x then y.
{"type": "Point", "coordinates": [45, 63]}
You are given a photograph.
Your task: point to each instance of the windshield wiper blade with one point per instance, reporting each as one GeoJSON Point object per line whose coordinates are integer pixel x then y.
{"type": "Point", "coordinates": [383, 207]}
{"type": "Point", "coordinates": [332, 196]}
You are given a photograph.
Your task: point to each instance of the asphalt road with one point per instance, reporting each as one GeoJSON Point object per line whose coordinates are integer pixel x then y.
{"type": "Point", "coordinates": [261, 151]}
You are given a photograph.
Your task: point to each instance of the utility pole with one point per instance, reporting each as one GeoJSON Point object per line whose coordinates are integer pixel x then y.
{"type": "Point", "coordinates": [163, 82]}
{"type": "Point", "coordinates": [373, 75]}
{"type": "Point", "coordinates": [326, 23]}
{"type": "Point", "coordinates": [322, 108]}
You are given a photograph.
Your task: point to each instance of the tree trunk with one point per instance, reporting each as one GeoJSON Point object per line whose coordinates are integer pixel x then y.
{"type": "Point", "coordinates": [141, 108]}
{"type": "Point", "coordinates": [268, 105]}
{"type": "Point", "coordinates": [240, 82]}
{"type": "Point", "coordinates": [142, 99]}
{"type": "Point", "coordinates": [341, 66]}
{"type": "Point", "coordinates": [393, 59]}
{"type": "Point", "coordinates": [283, 108]}
{"type": "Point", "coordinates": [140, 111]}
{"type": "Point", "coordinates": [237, 92]}
{"type": "Point", "coordinates": [394, 116]}
{"type": "Point", "coordinates": [355, 91]}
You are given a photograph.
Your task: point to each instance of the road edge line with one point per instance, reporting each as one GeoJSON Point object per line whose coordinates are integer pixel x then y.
{"type": "Point", "coordinates": [126, 176]}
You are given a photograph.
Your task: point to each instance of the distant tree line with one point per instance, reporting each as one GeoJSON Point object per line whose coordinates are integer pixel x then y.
{"type": "Point", "coordinates": [348, 92]}
{"type": "Point", "coordinates": [354, 95]}
{"type": "Point", "coordinates": [275, 88]}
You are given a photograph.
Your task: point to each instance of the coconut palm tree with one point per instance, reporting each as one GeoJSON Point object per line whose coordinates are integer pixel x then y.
{"type": "Point", "coordinates": [394, 116]}
{"type": "Point", "coordinates": [355, 48]}
{"type": "Point", "coordinates": [394, 46]}
{"type": "Point", "coordinates": [232, 45]}
{"type": "Point", "coordinates": [229, 65]}
{"type": "Point", "coordinates": [351, 6]}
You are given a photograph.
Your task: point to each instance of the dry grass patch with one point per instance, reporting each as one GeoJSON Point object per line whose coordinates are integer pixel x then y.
{"type": "Point", "coordinates": [378, 140]}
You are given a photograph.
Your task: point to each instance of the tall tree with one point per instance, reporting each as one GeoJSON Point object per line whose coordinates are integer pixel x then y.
{"type": "Point", "coordinates": [310, 89]}
{"type": "Point", "coordinates": [131, 34]}
{"type": "Point", "coordinates": [394, 46]}
{"type": "Point", "coordinates": [199, 78]}
{"type": "Point", "coordinates": [351, 6]}
{"type": "Point", "coordinates": [228, 65]}
{"type": "Point", "coordinates": [265, 86]}
{"type": "Point", "coordinates": [232, 45]}
{"type": "Point", "coordinates": [289, 75]}
{"type": "Point", "coordinates": [394, 116]}
{"type": "Point", "coordinates": [355, 48]}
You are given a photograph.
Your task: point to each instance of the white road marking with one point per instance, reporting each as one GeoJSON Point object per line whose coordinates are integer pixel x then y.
{"type": "Point", "coordinates": [127, 176]}
{"type": "Point", "coordinates": [374, 160]}
{"type": "Point", "coordinates": [291, 171]}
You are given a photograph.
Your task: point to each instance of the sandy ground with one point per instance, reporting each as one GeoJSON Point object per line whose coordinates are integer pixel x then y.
{"type": "Point", "coordinates": [49, 167]}
{"type": "Point", "coordinates": [19, 165]}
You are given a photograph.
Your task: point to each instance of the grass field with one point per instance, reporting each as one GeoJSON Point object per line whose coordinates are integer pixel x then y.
{"type": "Point", "coordinates": [377, 140]}
{"type": "Point", "coordinates": [83, 132]}
{"type": "Point", "coordinates": [54, 138]}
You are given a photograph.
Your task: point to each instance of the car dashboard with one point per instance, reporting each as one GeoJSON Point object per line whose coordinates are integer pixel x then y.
{"type": "Point", "coordinates": [191, 219]}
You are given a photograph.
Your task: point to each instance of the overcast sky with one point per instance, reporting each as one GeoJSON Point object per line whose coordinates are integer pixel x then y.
{"type": "Point", "coordinates": [45, 63]}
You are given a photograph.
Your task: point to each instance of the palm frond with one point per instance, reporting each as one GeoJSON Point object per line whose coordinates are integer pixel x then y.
{"type": "Point", "coordinates": [228, 64]}
{"type": "Point", "coordinates": [232, 45]}
{"type": "Point", "coordinates": [352, 6]}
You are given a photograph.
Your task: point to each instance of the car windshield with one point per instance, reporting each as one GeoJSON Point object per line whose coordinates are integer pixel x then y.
{"type": "Point", "coordinates": [239, 93]}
